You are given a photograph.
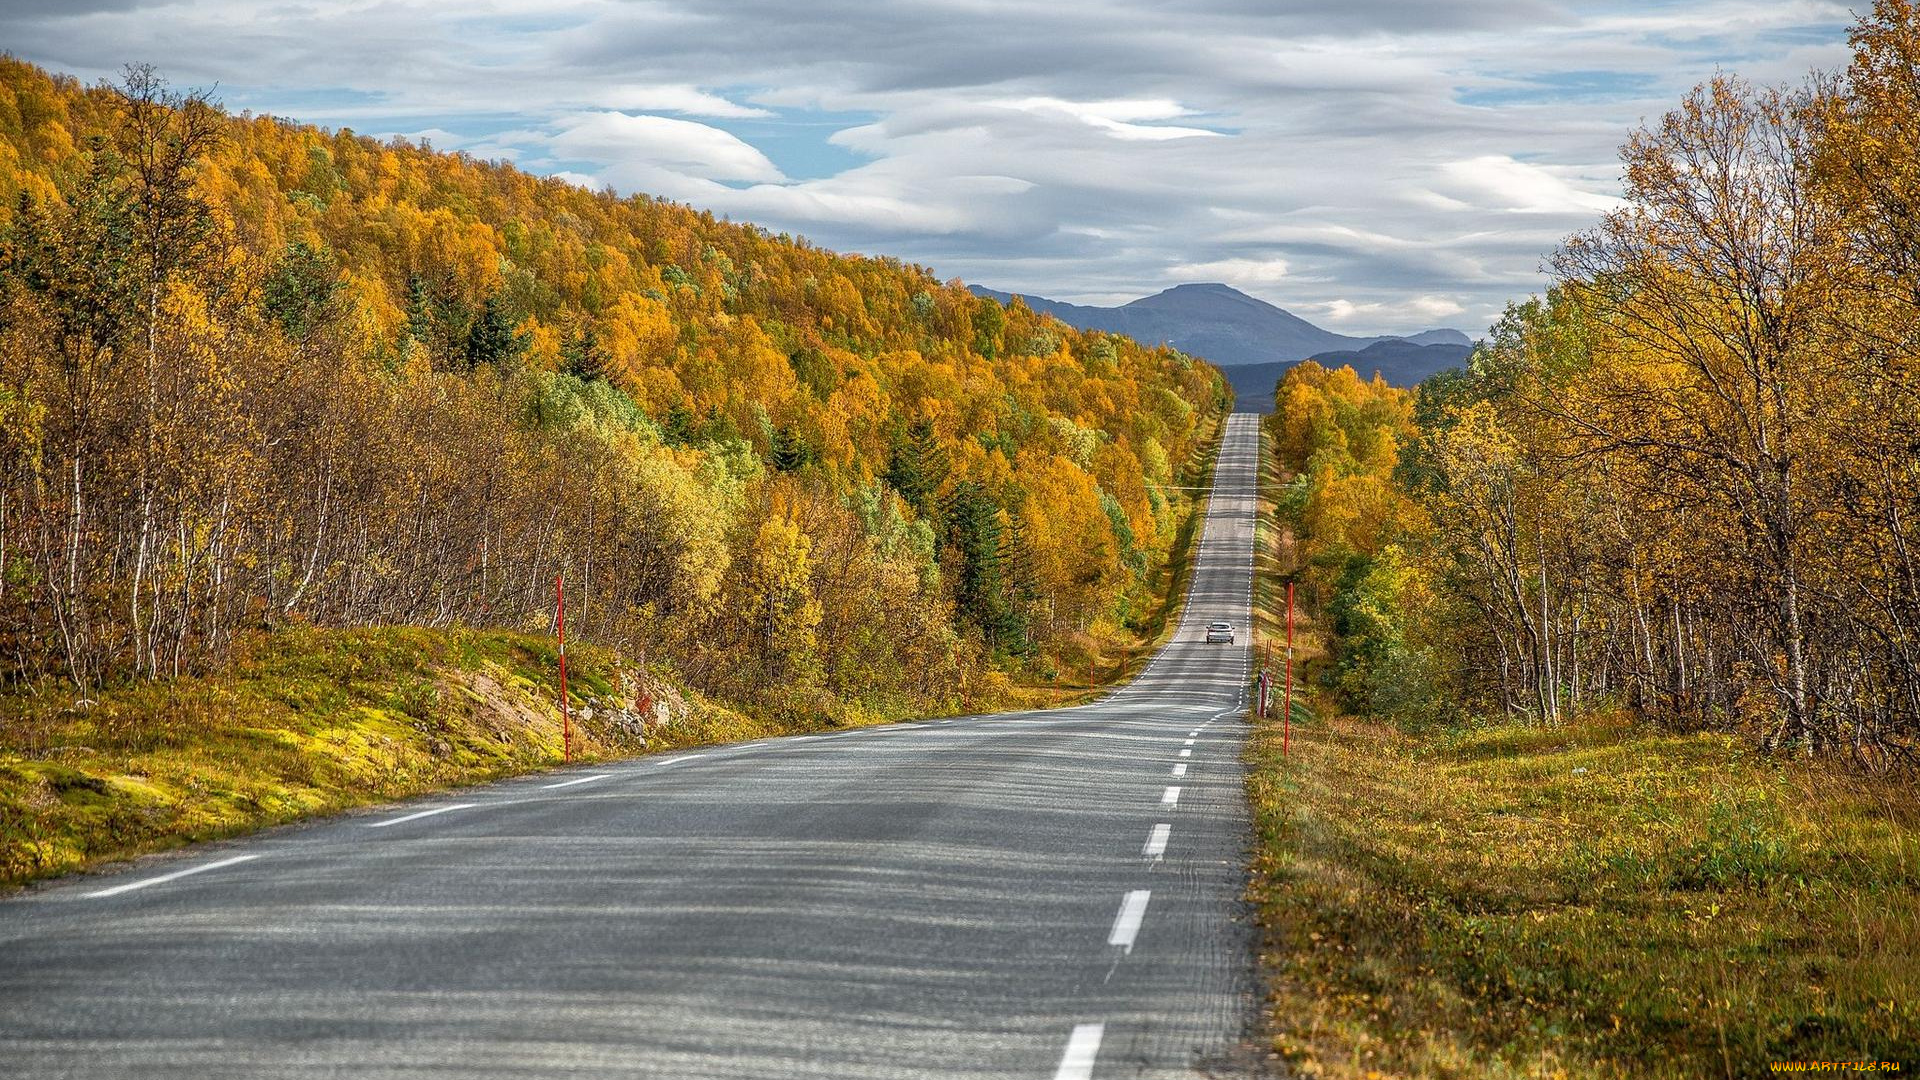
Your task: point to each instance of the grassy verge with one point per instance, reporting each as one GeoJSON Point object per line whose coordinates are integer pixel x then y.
{"type": "Point", "coordinates": [305, 722]}
{"type": "Point", "coordinates": [1594, 900]}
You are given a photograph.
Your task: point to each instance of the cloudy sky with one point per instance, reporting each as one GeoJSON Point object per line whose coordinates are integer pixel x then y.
{"type": "Point", "coordinates": [1374, 165]}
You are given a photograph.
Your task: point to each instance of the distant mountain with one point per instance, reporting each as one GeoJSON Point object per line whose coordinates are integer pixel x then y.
{"type": "Point", "coordinates": [1253, 384]}
{"type": "Point", "coordinates": [1439, 337]}
{"type": "Point", "coordinates": [1253, 341]}
{"type": "Point", "coordinates": [1398, 360]}
{"type": "Point", "coordinates": [1215, 322]}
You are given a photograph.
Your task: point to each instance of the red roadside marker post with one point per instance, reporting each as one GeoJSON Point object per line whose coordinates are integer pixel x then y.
{"type": "Point", "coordinates": [560, 626]}
{"type": "Point", "coordinates": [1286, 715]}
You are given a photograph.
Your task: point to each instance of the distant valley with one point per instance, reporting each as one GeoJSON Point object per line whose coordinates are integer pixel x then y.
{"type": "Point", "coordinates": [1253, 341]}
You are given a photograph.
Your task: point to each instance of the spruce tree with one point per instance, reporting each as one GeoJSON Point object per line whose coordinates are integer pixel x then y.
{"type": "Point", "coordinates": [493, 340]}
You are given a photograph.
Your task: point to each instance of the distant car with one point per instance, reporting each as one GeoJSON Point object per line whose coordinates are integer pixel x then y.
{"type": "Point", "coordinates": [1220, 631]}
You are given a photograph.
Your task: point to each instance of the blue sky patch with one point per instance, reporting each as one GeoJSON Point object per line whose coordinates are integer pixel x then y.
{"type": "Point", "coordinates": [1560, 87]}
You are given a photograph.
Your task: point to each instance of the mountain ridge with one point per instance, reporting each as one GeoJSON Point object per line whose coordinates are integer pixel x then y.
{"type": "Point", "coordinates": [1251, 341]}
{"type": "Point", "coordinates": [1216, 322]}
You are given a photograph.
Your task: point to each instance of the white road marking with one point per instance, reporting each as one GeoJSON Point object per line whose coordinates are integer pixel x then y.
{"type": "Point", "coordinates": [1157, 841]}
{"type": "Point", "coordinates": [1082, 1047]}
{"type": "Point", "coordinates": [1180, 769]}
{"type": "Point", "coordinates": [132, 885]}
{"type": "Point", "coordinates": [1186, 753]}
{"type": "Point", "coordinates": [576, 780]}
{"type": "Point", "coordinates": [421, 814]}
{"type": "Point", "coordinates": [1189, 742]}
{"type": "Point", "coordinates": [1126, 925]}
{"type": "Point", "coordinates": [1170, 797]}
{"type": "Point", "coordinates": [1193, 733]}
{"type": "Point", "coordinates": [690, 757]}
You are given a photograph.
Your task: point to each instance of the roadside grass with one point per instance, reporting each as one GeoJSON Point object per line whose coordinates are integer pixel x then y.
{"type": "Point", "coordinates": [303, 722]}
{"type": "Point", "coordinates": [1591, 900]}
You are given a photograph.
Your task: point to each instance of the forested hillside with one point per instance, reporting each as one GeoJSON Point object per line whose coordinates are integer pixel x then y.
{"type": "Point", "coordinates": [256, 374]}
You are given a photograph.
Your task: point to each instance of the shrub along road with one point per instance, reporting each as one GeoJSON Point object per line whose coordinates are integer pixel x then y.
{"type": "Point", "coordinates": [1048, 894]}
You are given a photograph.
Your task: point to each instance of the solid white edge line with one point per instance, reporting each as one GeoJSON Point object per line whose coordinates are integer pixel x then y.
{"type": "Point", "coordinates": [1126, 925]}
{"type": "Point", "coordinates": [1082, 1047]}
{"type": "Point", "coordinates": [420, 814]}
{"type": "Point", "coordinates": [1157, 841]}
{"type": "Point", "coordinates": [176, 875]}
{"type": "Point", "coordinates": [575, 780]}
{"type": "Point", "coordinates": [1170, 797]}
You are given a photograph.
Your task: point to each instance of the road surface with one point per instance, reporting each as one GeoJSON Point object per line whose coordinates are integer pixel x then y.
{"type": "Point", "coordinates": [1048, 894]}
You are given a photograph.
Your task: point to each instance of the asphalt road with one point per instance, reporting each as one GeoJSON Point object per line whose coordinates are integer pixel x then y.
{"type": "Point", "coordinates": [1049, 894]}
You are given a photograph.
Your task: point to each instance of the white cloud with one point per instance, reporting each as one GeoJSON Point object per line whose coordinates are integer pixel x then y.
{"type": "Point", "coordinates": [1434, 307]}
{"type": "Point", "coordinates": [686, 100]}
{"type": "Point", "coordinates": [1501, 183]}
{"type": "Point", "coordinates": [646, 143]}
{"type": "Point", "coordinates": [1119, 119]}
{"type": "Point", "coordinates": [577, 179]}
{"type": "Point", "coordinates": [1232, 271]}
{"type": "Point", "coordinates": [1418, 311]}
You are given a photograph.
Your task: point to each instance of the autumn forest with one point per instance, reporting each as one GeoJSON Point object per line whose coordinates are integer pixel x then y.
{"type": "Point", "coordinates": [255, 375]}
{"type": "Point", "coordinates": [1682, 483]}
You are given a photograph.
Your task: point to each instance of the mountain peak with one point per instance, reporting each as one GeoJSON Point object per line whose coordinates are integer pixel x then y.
{"type": "Point", "coordinates": [1253, 340]}
{"type": "Point", "coordinates": [1200, 290]}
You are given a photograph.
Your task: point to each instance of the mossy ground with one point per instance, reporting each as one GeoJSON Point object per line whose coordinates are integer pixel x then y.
{"type": "Point", "coordinates": [302, 722]}
{"type": "Point", "coordinates": [1592, 900]}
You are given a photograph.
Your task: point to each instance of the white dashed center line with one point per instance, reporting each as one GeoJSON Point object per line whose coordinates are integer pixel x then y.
{"type": "Point", "coordinates": [177, 874]}
{"type": "Point", "coordinates": [576, 780]}
{"type": "Point", "coordinates": [1126, 925]}
{"type": "Point", "coordinates": [1082, 1047]}
{"type": "Point", "coordinates": [1157, 841]}
{"type": "Point", "coordinates": [421, 814]}
{"type": "Point", "coordinates": [1170, 797]}
{"type": "Point", "coordinates": [1186, 753]}
{"type": "Point", "coordinates": [1180, 769]}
